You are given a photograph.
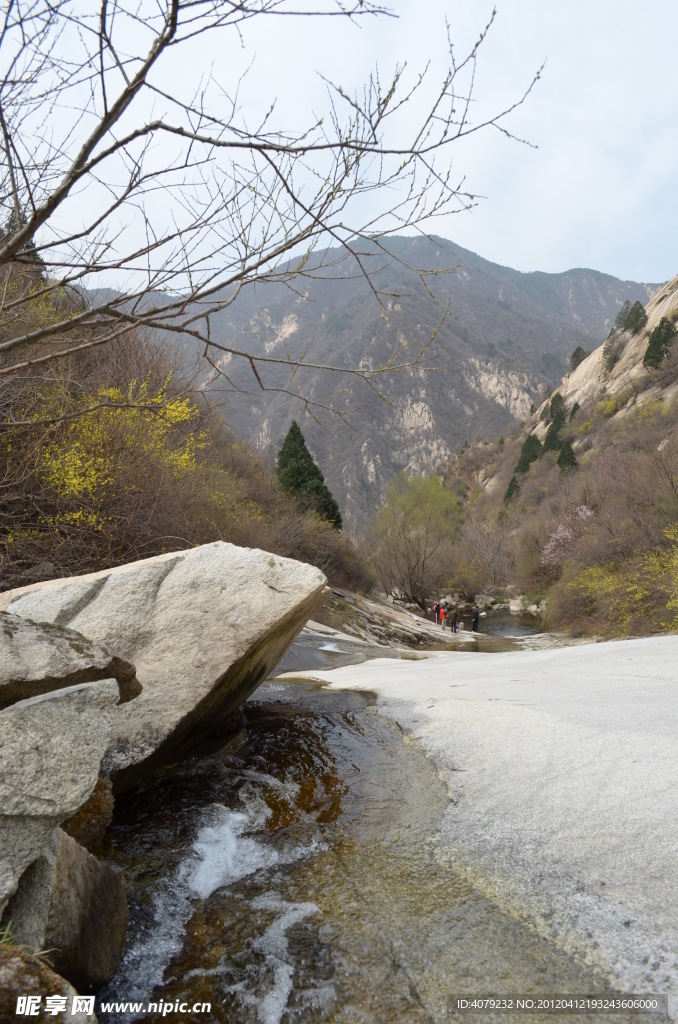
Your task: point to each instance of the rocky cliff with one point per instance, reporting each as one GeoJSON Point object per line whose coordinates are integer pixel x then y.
{"type": "Point", "coordinates": [629, 379]}
{"type": "Point", "coordinates": [498, 339]}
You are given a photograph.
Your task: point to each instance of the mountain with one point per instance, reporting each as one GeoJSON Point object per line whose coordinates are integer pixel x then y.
{"type": "Point", "coordinates": [580, 506]}
{"type": "Point", "coordinates": [497, 340]}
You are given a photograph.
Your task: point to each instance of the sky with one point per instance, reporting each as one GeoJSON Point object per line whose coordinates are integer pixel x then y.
{"type": "Point", "coordinates": [596, 187]}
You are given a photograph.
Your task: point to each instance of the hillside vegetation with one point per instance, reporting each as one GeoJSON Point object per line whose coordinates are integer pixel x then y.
{"type": "Point", "coordinates": [581, 506]}
{"type": "Point", "coordinates": [111, 455]}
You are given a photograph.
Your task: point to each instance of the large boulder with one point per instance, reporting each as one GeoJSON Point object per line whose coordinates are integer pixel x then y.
{"type": "Point", "coordinates": [38, 657]}
{"type": "Point", "coordinates": [50, 754]}
{"type": "Point", "coordinates": [22, 976]}
{"type": "Point", "coordinates": [69, 903]}
{"type": "Point", "coordinates": [204, 627]}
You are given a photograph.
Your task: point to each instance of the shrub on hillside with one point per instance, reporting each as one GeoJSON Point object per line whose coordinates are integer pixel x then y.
{"type": "Point", "coordinates": [152, 472]}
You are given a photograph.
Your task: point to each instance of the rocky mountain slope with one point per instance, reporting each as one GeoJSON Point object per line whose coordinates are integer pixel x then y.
{"type": "Point", "coordinates": [506, 338]}
{"type": "Point", "coordinates": [629, 381]}
{"type": "Point", "coordinates": [580, 506]}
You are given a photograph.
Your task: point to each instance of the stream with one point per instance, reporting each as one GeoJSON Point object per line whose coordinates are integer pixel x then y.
{"type": "Point", "coordinates": [298, 875]}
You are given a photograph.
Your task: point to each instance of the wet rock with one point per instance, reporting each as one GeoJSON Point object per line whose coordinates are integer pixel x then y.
{"type": "Point", "coordinates": [22, 974]}
{"type": "Point", "coordinates": [36, 658]}
{"type": "Point", "coordinates": [204, 627]}
{"type": "Point", "coordinates": [74, 906]}
{"type": "Point", "coordinates": [50, 754]}
{"type": "Point", "coordinates": [89, 823]}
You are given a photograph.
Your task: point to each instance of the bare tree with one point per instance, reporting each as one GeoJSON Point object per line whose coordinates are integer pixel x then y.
{"type": "Point", "coordinates": [112, 178]}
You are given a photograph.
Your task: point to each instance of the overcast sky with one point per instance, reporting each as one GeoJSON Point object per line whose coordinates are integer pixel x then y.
{"type": "Point", "coordinates": [599, 190]}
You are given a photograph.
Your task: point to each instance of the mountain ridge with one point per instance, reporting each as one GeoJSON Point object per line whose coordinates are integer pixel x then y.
{"type": "Point", "coordinates": [505, 339]}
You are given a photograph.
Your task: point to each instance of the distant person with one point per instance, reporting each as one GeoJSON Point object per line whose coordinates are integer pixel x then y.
{"type": "Point", "coordinates": [443, 615]}
{"type": "Point", "coordinates": [475, 615]}
{"type": "Point", "coordinates": [436, 612]}
{"type": "Point", "coordinates": [454, 620]}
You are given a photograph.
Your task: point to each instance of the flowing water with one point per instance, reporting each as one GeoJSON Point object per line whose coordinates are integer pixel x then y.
{"type": "Point", "coordinates": [297, 876]}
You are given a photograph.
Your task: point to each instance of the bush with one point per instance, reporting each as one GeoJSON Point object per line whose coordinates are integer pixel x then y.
{"type": "Point", "coordinates": [609, 406]}
{"type": "Point", "coordinates": [660, 342]}
{"type": "Point", "coordinates": [575, 409]}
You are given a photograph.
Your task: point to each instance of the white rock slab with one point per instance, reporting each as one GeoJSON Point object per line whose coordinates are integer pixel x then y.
{"type": "Point", "coordinates": [563, 776]}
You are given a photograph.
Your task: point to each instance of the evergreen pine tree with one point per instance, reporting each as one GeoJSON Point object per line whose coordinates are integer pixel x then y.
{"type": "Point", "coordinates": [660, 342]}
{"type": "Point", "coordinates": [636, 318]}
{"type": "Point", "coordinates": [577, 357]}
{"type": "Point", "coordinates": [558, 410]}
{"type": "Point", "coordinates": [512, 489]}
{"type": "Point", "coordinates": [300, 476]}
{"type": "Point", "coordinates": [531, 450]}
{"type": "Point", "coordinates": [567, 458]}
{"type": "Point", "coordinates": [622, 315]}
{"type": "Point", "coordinates": [552, 440]}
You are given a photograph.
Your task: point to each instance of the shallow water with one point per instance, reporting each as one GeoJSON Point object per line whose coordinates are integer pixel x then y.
{"type": "Point", "coordinates": [499, 632]}
{"type": "Point", "coordinates": [301, 878]}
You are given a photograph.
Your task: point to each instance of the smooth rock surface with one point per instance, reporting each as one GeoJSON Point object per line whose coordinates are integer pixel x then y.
{"type": "Point", "coordinates": [74, 906]}
{"type": "Point", "coordinates": [50, 754]}
{"type": "Point", "coordinates": [36, 658]}
{"type": "Point", "coordinates": [562, 767]}
{"type": "Point", "coordinates": [203, 627]}
{"type": "Point", "coordinates": [22, 974]}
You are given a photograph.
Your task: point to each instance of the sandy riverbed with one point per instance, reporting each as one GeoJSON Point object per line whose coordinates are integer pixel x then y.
{"type": "Point", "coordinates": [562, 767]}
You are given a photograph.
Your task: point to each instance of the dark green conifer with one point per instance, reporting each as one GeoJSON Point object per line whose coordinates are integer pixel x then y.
{"type": "Point", "coordinates": [567, 458]}
{"type": "Point", "coordinates": [558, 410]}
{"type": "Point", "coordinates": [577, 357]}
{"type": "Point", "coordinates": [636, 318]}
{"type": "Point", "coordinates": [622, 315]}
{"type": "Point", "coordinates": [660, 342]}
{"type": "Point", "coordinates": [532, 449]}
{"type": "Point", "coordinates": [552, 440]}
{"type": "Point", "coordinates": [512, 489]}
{"type": "Point", "coordinates": [299, 475]}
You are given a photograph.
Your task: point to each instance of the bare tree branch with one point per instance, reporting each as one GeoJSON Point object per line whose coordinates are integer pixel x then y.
{"type": "Point", "coordinates": [129, 205]}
